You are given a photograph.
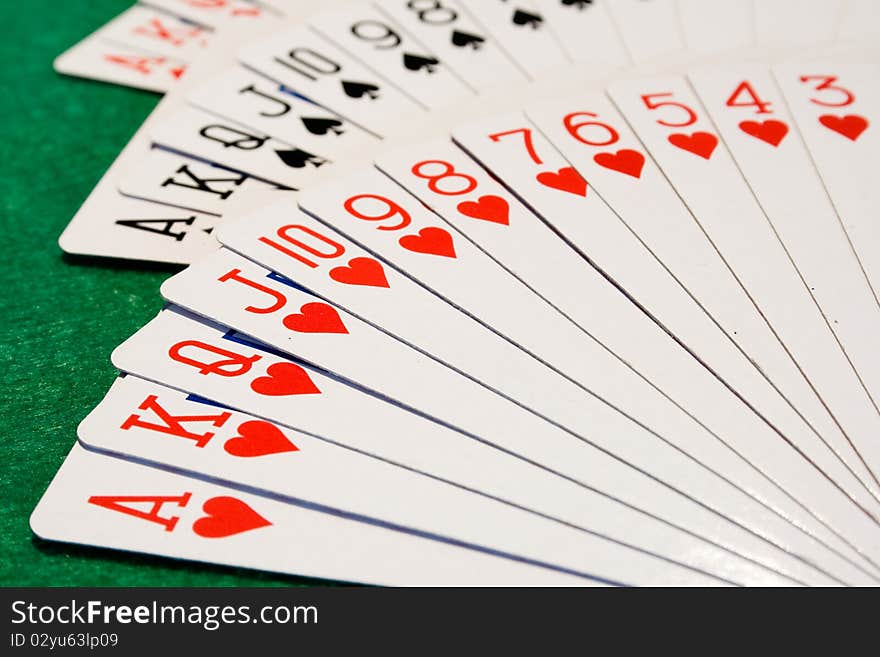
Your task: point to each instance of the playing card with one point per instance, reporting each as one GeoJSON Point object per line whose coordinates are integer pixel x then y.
{"type": "Point", "coordinates": [156, 32]}
{"type": "Point", "coordinates": [751, 117]}
{"type": "Point", "coordinates": [296, 251]}
{"type": "Point", "coordinates": [674, 128]}
{"type": "Point", "coordinates": [522, 158]}
{"type": "Point", "coordinates": [585, 31]}
{"type": "Point", "coordinates": [409, 377]}
{"type": "Point", "coordinates": [249, 99]}
{"type": "Point", "coordinates": [521, 31]}
{"type": "Point", "coordinates": [96, 59]}
{"type": "Point", "coordinates": [317, 69]}
{"type": "Point", "coordinates": [106, 502]}
{"type": "Point", "coordinates": [138, 230]}
{"type": "Point", "coordinates": [195, 133]}
{"type": "Point", "coordinates": [859, 21]}
{"type": "Point", "coordinates": [172, 179]}
{"type": "Point", "coordinates": [94, 229]}
{"type": "Point", "coordinates": [175, 351]}
{"type": "Point", "coordinates": [649, 28]}
{"type": "Point", "coordinates": [223, 15]}
{"type": "Point", "coordinates": [795, 22]}
{"type": "Point", "coordinates": [380, 44]}
{"type": "Point", "coordinates": [711, 26]}
{"type": "Point", "coordinates": [833, 101]}
{"type": "Point", "coordinates": [442, 177]}
{"type": "Point", "coordinates": [446, 182]}
{"type": "Point", "coordinates": [596, 140]}
{"type": "Point", "coordinates": [293, 10]}
{"type": "Point", "coordinates": [154, 424]}
{"type": "Point", "coordinates": [469, 51]}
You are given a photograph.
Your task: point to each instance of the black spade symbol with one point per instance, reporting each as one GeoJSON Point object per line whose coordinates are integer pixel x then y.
{"type": "Point", "coordinates": [298, 158]}
{"type": "Point", "coordinates": [521, 17]}
{"type": "Point", "coordinates": [360, 89]}
{"type": "Point", "coordinates": [321, 126]}
{"type": "Point", "coordinates": [417, 62]}
{"type": "Point", "coordinates": [463, 39]}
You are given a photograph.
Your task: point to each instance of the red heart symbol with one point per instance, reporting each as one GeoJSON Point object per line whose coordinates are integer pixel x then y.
{"type": "Point", "coordinates": [770, 131]}
{"type": "Point", "coordinates": [315, 317]}
{"type": "Point", "coordinates": [430, 240]}
{"type": "Point", "coordinates": [258, 438]}
{"type": "Point", "coordinates": [284, 379]}
{"type": "Point", "coordinates": [360, 271]}
{"type": "Point", "coordinates": [698, 143]}
{"type": "Point", "coordinates": [625, 161]}
{"type": "Point", "coordinates": [227, 516]}
{"type": "Point", "coordinates": [567, 179]}
{"type": "Point", "coordinates": [850, 126]}
{"type": "Point", "coordinates": [488, 208]}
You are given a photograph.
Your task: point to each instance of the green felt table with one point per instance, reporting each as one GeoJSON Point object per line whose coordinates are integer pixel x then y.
{"type": "Point", "coordinates": [63, 316]}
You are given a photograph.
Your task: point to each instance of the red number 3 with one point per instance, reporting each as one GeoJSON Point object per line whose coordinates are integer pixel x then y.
{"type": "Point", "coordinates": [826, 83]}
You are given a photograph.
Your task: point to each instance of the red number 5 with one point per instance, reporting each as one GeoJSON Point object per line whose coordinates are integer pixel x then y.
{"type": "Point", "coordinates": [691, 116]}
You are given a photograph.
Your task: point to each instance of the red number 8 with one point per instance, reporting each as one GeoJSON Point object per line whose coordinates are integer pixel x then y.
{"type": "Point", "coordinates": [447, 172]}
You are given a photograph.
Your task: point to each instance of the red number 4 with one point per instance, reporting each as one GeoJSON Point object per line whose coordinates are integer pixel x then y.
{"type": "Point", "coordinates": [745, 96]}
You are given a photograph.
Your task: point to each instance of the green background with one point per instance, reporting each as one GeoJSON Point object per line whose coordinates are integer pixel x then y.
{"type": "Point", "coordinates": [62, 316]}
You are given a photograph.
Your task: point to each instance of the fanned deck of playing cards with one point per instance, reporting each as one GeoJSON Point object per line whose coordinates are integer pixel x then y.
{"type": "Point", "coordinates": [489, 292]}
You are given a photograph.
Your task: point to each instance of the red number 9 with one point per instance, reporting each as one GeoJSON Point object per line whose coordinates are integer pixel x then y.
{"type": "Point", "coordinates": [392, 209]}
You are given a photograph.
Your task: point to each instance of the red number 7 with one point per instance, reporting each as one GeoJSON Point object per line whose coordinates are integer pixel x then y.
{"type": "Point", "coordinates": [527, 138]}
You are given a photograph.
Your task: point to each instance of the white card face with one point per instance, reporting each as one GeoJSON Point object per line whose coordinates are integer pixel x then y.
{"type": "Point", "coordinates": [468, 50]}
{"type": "Point", "coordinates": [143, 420]}
{"type": "Point", "coordinates": [99, 60]}
{"type": "Point", "coordinates": [585, 31]}
{"type": "Point", "coordinates": [295, 10]}
{"type": "Point", "coordinates": [116, 226]}
{"type": "Point", "coordinates": [93, 229]}
{"type": "Point", "coordinates": [268, 237]}
{"type": "Point", "coordinates": [445, 180]}
{"type": "Point", "coordinates": [711, 26]}
{"type": "Point", "coordinates": [833, 102]}
{"type": "Point", "coordinates": [106, 502]}
{"type": "Point", "coordinates": [478, 208]}
{"type": "Point", "coordinates": [859, 21]}
{"type": "Point", "coordinates": [303, 249]}
{"type": "Point", "coordinates": [217, 14]}
{"type": "Point", "coordinates": [173, 180]}
{"type": "Point", "coordinates": [649, 28]}
{"type": "Point", "coordinates": [511, 149]}
{"type": "Point", "coordinates": [198, 134]}
{"type": "Point", "coordinates": [595, 139]}
{"type": "Point", "coordinates": [380, 44]}
{"type": "Point", "coordinates": [156, 32]}
{"type": "Point", "coordinates": [750, 114]}
{"type": "Point", "coordinates": [178, 351]}
{"type": "Point", "coordinates": [521, 31]}
{"type": "Point", "coordinates": [795, 22]}
{"type": "Point", "coordinates": [253, 101]}
{"type": "Point", "coordinates": [232, 290]}
{"type": "Point", "coordinates": [682, 141]}
{"type": "Point", "coordinates": [315, 68]}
